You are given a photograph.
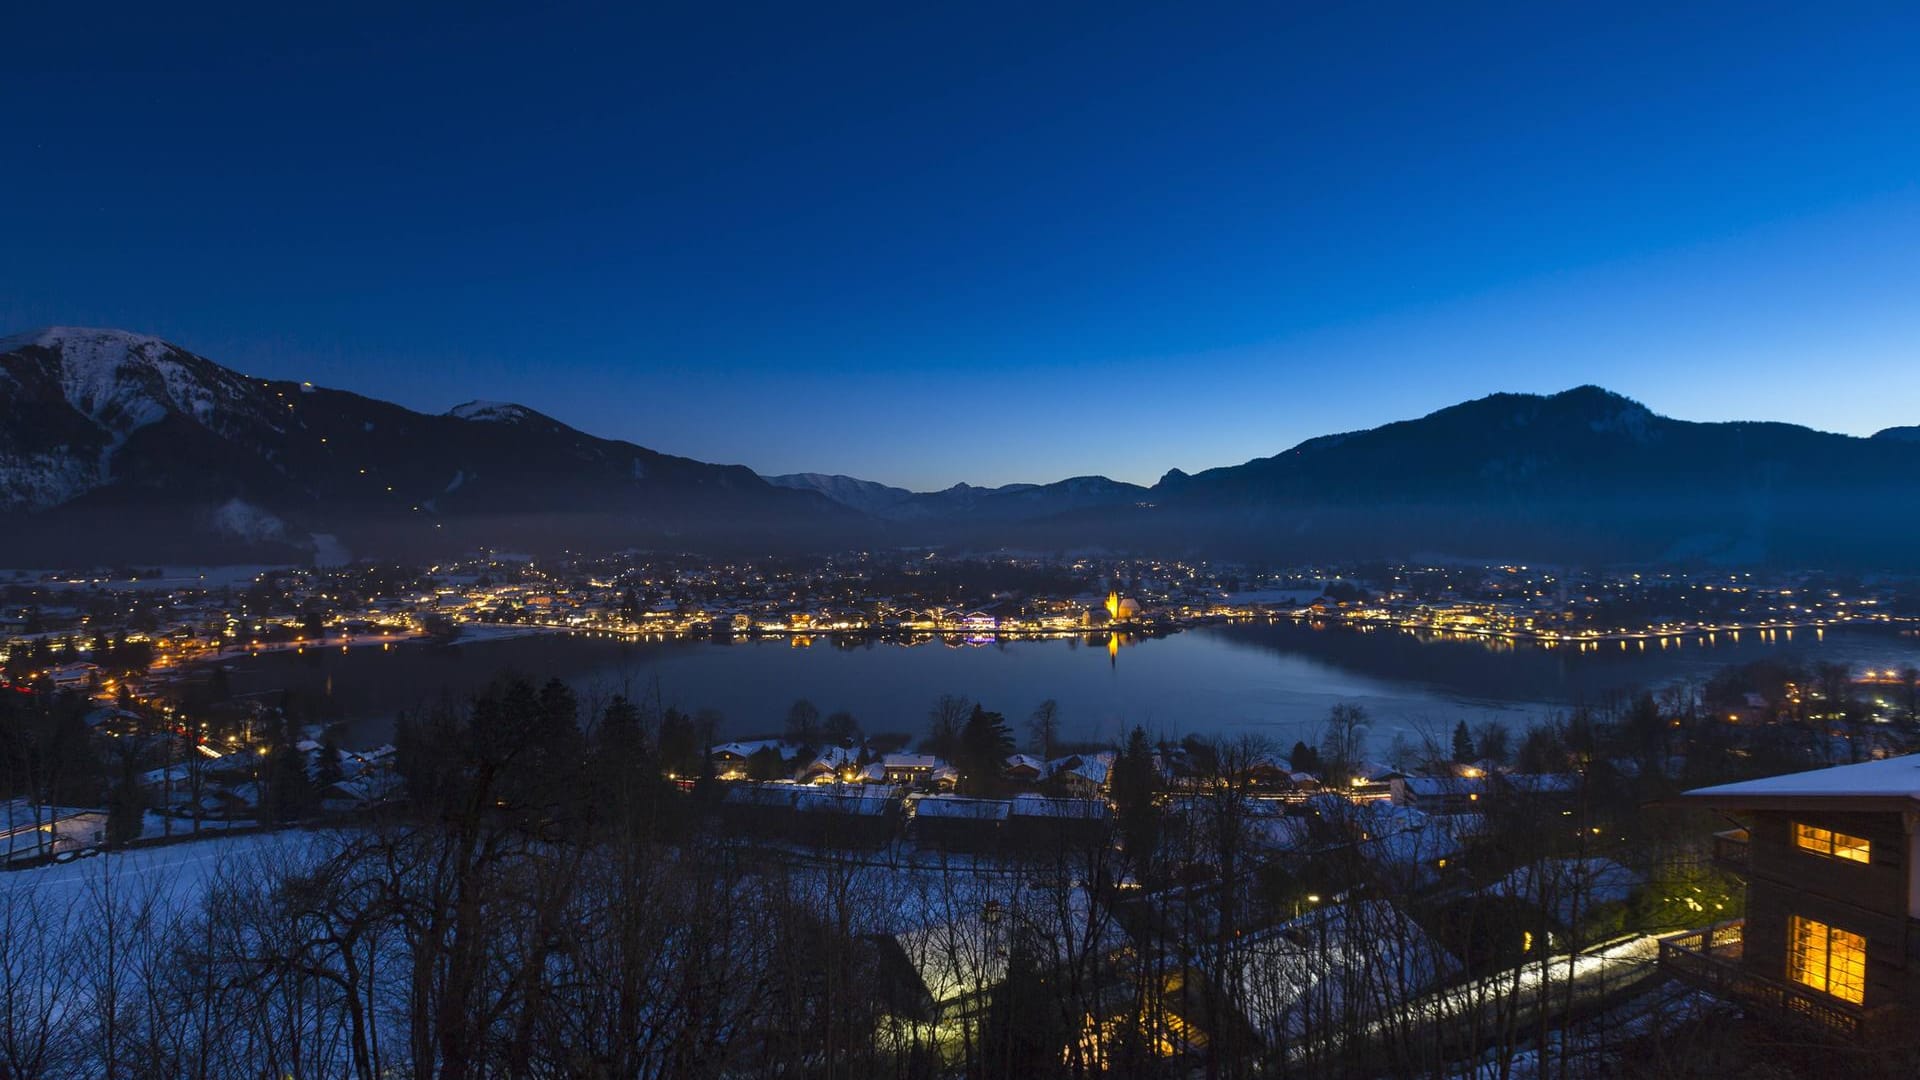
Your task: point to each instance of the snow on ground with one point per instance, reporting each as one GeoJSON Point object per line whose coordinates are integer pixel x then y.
{"type": "Point", "coordinates": [182, 871]}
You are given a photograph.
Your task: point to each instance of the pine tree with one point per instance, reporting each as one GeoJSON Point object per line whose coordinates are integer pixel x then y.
{"type": "Point", "coordinates": [1135, 782]}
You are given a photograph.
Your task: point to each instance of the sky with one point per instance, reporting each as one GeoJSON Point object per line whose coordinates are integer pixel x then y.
{"type": "Point", "coordinates": [987, 243]}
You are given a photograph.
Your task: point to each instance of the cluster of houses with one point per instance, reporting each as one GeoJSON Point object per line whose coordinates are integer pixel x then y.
{"type": "Point", "coordinates": [847, 797]}
{"type": "Point", "coordinates": [230, 786]}
{"type": "Point", "coordinates": [780, 760]}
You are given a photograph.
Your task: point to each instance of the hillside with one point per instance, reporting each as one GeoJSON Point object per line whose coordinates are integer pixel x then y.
{"type": "Point", "coordinates": [1580, 475]}
{"type": "Point", "coordinates": [117, 445]}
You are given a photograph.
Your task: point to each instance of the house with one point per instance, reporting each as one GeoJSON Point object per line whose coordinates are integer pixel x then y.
{"type": "Point", "coordinates": [1547, 790]}
{"type": "Point", "coordinates": [834, 763]}
{"type": "Point", "coordinates": [1571, 891]}
{"type": "Point", "coordinates": [1829, 944]}
{"type": "Point", "coordinates": [1354, 961]}
{"type": "Point", "coordinates": [909, 770]}
{"type": "Point", "coordinates": [34, 832]}
{"type": "Point", "coordinates": [730, 759]}
{"type": "Point", "coordinates": [1025, 769]}
{"type": "Point", "coordinates": [1439, 794]}
{"type": "Point", "coordinates": [1084, 775]}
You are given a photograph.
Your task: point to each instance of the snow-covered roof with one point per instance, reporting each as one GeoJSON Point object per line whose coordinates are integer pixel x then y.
{"type": "Point", "coordinates": [748, 747]}
{"type": "Point", "coordinates": [1029, 805]}
{"type": "Point", "coordinates": [954, 806]}
{"type": "Point", "coordinates": [1570, 888]}
{"type": "Point", "coordinates": [1889, 778]}
{"type": "Point", "coordinates": [1356, 959]}
{"type": "Point", "coordinates": [846, 799]}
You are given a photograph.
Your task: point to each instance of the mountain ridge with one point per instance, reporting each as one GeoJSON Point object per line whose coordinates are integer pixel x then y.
{"type": "Point", "coordinates": [103, 428]}
{"type": "Point", "coordinates": [122, 445]}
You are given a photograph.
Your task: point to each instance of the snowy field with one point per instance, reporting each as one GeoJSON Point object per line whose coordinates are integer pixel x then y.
{"type": "Point", "coordinates": [180, 871]}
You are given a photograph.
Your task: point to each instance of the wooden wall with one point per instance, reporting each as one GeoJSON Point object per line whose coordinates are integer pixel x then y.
{"type": "Point", "coordinates": [1868, 899]}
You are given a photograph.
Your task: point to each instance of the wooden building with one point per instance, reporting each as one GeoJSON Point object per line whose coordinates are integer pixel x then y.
{"type": "Point", "coordinates": [1831, 860]}
{"type": "Point", "coordinates": [960, 824]}
{"type": "Point", "coordinates": [1039, 824]}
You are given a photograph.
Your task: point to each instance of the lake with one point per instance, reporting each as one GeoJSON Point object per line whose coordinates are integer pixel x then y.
{"type": "Point", "coordinates": [1275, 678]}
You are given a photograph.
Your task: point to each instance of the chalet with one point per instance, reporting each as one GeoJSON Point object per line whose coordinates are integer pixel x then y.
{"type": "Point", "coordinates": [831, 764]}
{"type": "Point", "coordinates": [1084, 775]}
{"type": "Point", "coordinates": [909, 770]}
{"type": "Point", "coordinates": [730, 759]}
{"type": "Point", "coordinates": [1830, 942]}
{"type": "Point", "coordinates": [1025, 769]}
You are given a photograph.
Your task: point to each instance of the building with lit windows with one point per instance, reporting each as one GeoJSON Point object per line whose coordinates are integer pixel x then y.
{"type": "Point", "coordinates": [1831, 938]}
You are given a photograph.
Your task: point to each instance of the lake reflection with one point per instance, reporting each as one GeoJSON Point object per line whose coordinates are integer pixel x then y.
{"type": "Point", "coordinates": [1279, 679]}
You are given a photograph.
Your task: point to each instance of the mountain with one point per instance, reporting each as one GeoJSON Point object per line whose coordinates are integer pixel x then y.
{"type": "Point", "coordinates": [1580, 475]}
{"type": "Point", "coordinates": [1910, 433]}
{"type": "Point", "coordinates": [866, 496]}
{"type": "Point", "coordinates": [965, 504]}
{"type": "Point", "coordinates": [121, 446]}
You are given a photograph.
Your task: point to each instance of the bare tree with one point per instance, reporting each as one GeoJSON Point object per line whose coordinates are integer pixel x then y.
{"type": "Point", "coordinates": [1044, 727]}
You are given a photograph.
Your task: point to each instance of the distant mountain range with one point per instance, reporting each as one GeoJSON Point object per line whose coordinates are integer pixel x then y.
{"type": "Point", "coordinates": [1008, 503]}
{"type": "Point", "coordinates": [117, 447]}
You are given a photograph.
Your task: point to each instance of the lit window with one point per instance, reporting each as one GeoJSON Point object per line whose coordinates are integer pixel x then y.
{"type": "Point", "coordinates": [1837, 845]}
{"type": "Point", "coordinates": [1827, 959]}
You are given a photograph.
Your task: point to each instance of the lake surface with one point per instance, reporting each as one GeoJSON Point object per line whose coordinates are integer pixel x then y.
{"type": "Point", "coordinates": [1279, 679]}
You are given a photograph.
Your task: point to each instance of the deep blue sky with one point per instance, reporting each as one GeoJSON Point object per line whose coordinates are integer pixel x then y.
{"type": "Point", "coordinates": [997, 243]}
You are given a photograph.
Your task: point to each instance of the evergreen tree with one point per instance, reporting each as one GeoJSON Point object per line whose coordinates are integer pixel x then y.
{"type": "Point", "coordinates": [1462, 743]}
{"type": "Point", "coordinates": [327, 771]}
{"type": "Point", "coordinates": [127, 806]}
{"type": "Point", "coordinates": [290, 794]}
{"type": "Point", "coordinates": [985, 743]}
{"type": "Point", "coordinates": [1135, 782]}
{"type": "Point", "coordinates": [766, 764]}
{"type": "Point", "coordinates": [1304, 758]}
{"type": "Point", "coordinates": [680, 749]}
{"type": "Point", "coordinates": [1023, 1033]}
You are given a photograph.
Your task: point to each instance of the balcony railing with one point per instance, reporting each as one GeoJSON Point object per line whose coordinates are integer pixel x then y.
{"type": "Point", "coordinates": [1710, 959]}
{"type": "Point", "coordinates": [1730, 850]}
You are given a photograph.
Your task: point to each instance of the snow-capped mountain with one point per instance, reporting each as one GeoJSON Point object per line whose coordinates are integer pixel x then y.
{"type": "Point", "coordinates": [113, 441]}
{"type": "Point", "coordinates": [866, 496]}
{"type": "Point", "coordinates": [71, 399]}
